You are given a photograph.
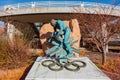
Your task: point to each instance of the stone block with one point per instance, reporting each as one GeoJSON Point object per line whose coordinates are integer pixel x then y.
{"type": "Point", "coordinates": [90, 72]}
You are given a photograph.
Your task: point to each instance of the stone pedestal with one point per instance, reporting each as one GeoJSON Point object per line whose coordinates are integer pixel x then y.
{"type": "Point", "coordinates": [90, 72]}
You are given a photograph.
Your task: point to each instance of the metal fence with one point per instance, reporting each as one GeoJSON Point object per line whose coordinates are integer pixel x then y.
{"type": "Point", "coordinates": [40, 4]}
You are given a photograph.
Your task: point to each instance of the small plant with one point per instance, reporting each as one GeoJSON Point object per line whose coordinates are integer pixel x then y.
{"type": "Point", "coordinates": [112, 65]}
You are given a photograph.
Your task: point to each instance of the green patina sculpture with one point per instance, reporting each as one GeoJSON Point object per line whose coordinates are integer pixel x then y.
{"type": "Point", "coordinates": [62, 48]}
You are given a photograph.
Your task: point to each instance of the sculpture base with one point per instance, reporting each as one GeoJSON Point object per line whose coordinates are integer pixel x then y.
{"type": "Point", "coordinates": [90, 72]}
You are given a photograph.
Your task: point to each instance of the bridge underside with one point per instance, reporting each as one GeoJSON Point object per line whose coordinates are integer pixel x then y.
{"type": "Point", "coordinates": [46, 17]}
{"type": "Point", "coordinates": [25, 22]}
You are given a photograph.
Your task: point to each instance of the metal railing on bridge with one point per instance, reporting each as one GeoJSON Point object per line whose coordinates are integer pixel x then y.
{"type": "Point", "coordinates": [48, 4]}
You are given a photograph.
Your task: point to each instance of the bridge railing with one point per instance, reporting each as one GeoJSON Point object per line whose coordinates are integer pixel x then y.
{"type": "Point", "coordinates": [48, 4]}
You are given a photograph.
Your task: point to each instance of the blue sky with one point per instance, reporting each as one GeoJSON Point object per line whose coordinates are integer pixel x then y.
{"type": "Point", "coordinates": [1, 24]}
{"type": "Point", "coordinates": [7, 2]}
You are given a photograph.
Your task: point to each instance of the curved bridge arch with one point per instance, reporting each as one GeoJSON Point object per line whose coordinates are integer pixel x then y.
{"type": "Point", "coordinates": [59, 7]}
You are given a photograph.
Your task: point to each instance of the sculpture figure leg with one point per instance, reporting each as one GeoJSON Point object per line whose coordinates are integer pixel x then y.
{"type": "Point", "coordinates": [65, 41]}
{"type": "Point", "coordinates": [51, 50]}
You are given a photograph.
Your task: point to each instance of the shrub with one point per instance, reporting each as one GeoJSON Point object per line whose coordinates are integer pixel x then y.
{"type": "Point", "coordinates": [13, 53]}
{"type": "Point", "coordinates": [112, 65]}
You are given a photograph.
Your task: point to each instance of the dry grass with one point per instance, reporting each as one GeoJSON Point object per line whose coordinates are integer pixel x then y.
{"type": "Point", "coordinates": [112, 66]}
{"type": "Point", "coordinates": [13, 54]}
{"type": "Point", "coordinates": [14, 58]}
{"type": "Point", "coordinates": [12, 74]}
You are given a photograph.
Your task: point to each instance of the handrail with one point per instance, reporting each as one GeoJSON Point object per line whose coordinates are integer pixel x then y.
{"type": "Point", "coordinates": [48, 4]}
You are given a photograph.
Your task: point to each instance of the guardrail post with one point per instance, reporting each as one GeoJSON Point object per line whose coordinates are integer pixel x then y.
{"type": "Point", "coordinates": [82, 5]}
{"type": "Point", "coordinates": [33, 4]}
{"type": "Point", "coordinates": [18, 6]}
{"type": "Point", "coordinates": [65, 4]}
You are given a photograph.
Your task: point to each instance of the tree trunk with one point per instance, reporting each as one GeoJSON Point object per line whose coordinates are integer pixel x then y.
{"type": "Point", "coordinates": [103, 58]}
{"type": "Point", "coordinates": [105, 51]}
{"type": "Point", "coordinates": [105, 45]}
{"type": "Point", "coordinates": [106, 48]}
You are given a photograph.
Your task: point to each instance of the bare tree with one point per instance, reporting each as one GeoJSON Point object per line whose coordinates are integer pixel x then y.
{"type": "Point", "coordinates": [100, 25]}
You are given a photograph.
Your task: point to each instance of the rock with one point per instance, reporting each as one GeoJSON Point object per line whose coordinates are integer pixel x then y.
{"type": "Point", "coordinates": [67, 23]}
{"type": "Point", "coordinates": [45, 33]}
{"type": "Point", "coordinates": [75, 32]}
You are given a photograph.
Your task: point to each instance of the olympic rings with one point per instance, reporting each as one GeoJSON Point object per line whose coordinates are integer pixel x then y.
{"type": "Point", "coordinates": [52, 64]}
{"type": "Point", "coordinates": [74, 63]}
{"type": "Point", "coordinates": [44, 63]}
{"type": "Point", "coordinates": [72, 69]}
{"type": "Point", "coordinates": [55, 69]}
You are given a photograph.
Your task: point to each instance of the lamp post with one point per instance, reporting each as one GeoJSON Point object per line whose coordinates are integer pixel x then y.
{"type": "Point", "coordinates": [37, 38]}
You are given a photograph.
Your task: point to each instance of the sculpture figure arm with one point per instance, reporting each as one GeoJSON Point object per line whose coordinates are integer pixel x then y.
{"type": "Point", "coordinates": [60, 25]}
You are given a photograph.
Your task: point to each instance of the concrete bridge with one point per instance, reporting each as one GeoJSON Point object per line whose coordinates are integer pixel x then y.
{"type": "Point", "coordinates": [59, 7]}
{"type": "Point", "coordinates": [44, 11]}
